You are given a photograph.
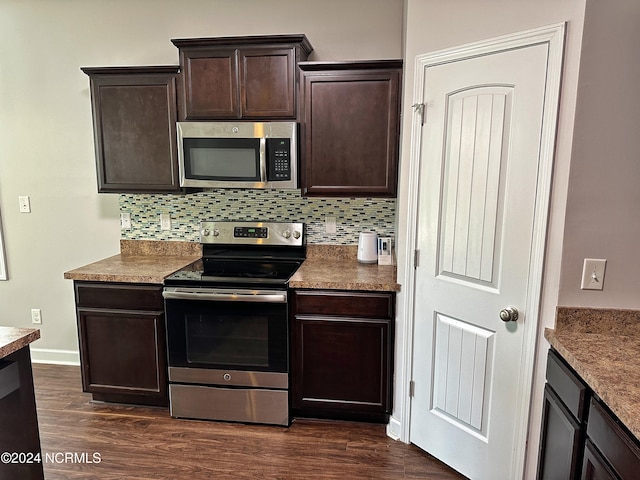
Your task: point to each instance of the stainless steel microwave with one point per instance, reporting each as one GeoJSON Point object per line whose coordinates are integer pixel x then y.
{"type": "Point", "coordinates": [238, 154]}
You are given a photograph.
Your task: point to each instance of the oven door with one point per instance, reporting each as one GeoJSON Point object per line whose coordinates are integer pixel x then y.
{"type": "Point", "coordinates": [227, 330]}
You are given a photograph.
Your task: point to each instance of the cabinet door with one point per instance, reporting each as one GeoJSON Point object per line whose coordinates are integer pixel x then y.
{"type": "Point", "coordinates": [560, 446]}
{"type": "Point", "coordinates": [350, 136]}
{"type": "Point", "coordinates": [209, 84]}
{"type": "Point", "coordinates": [341, 368]}
{"type": "Point", "coordinates": [267, 79]}
{"type": "Point", "coordinates": [594, 467]}
{"type": "Point", "coordinates": [134, 115]}
{"type": "Point", "coordinates": [123, 355]}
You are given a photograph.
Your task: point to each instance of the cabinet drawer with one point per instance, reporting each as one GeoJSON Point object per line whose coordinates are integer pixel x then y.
{"type": "Point", "coordinates": [348, 304]}
{"type": "Point", "coordinates": [567, 385]}
{"type": "Point", "coordinates": [119, 296]}
{"type": "Point", "coordinates": [617, 447]}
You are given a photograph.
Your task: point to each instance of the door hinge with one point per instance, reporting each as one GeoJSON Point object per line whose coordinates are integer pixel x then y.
{"type": "Point", "coordinates": [416, 258]}
{"type": "Point", "coordinates": [419, 108]}
{"type": "Point", "coordinates": [412, 388]}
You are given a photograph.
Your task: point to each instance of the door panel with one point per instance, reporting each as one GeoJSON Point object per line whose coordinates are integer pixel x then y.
{"type": "Point", "coordinates": [478, 200]}
{"type": "Point", "coordinates": [478, 125]}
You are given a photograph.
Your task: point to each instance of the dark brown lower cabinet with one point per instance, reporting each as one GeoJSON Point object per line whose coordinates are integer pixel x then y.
{"type": "Point", "coordinates": [581, 438]}
{"type": "Point", "coordinates": [594, 467]}
{"type": "Point", "coordinates": [19, 435]}
{"type": "Point", "coordinates": [122, 342]}
{"type": "Point", "coordinates": [342, 354]}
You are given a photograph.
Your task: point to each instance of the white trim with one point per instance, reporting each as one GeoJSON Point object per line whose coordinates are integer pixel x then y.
{"type": "Point", "coordinates": [56, 357]}
{"type": "Point", "coordinates": [393, 428]}
{"type": "Point", "coordinates": [3, 258]}
{"type": "Point", "coordinates": [553, 36]}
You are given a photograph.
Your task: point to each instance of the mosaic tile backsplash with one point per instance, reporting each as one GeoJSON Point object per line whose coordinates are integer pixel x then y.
{"type": "Point", "coordinates": [353, 215]}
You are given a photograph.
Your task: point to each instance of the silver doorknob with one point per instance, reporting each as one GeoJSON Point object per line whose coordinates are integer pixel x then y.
{"type": "Point", "coordinates": [509, 314]}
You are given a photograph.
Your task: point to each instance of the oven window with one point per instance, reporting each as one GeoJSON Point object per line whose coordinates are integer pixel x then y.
{"type": "Point", "coordinates": [240, 335]}
{"type": "Point", "coordinates": [227, 340]}
{"type": "Point", "coordinates": [222, 159]}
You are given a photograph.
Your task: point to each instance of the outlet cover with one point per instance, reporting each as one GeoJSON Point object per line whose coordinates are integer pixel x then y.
{"type": "Point", "coordinates": [330, 224]}
{"type": "Point", "coordinates": [593, 273]}
{"type": "Point", "coordinates": [125, 220]}
{"type": "Point", "coordinates": [165, 221]}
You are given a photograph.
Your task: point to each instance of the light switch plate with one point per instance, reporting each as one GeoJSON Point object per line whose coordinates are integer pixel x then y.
{"type": "Point", "coordinates": [593, 273]}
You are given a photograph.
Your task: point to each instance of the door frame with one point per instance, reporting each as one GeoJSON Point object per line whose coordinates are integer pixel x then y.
{"type": "Point", "coordinates": [552, 35]}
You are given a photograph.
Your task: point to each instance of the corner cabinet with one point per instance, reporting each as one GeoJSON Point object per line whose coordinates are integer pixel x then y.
{"type": "Point", "coordinates": [122, 342]}
{"type": "Point", "coordinates": [342, 354]}
{"type": "Point", "coordinates": [350, 131]}
{"type": "Point", "coordinates": [134, 125]}
{"type": "Point", "coordinates": [240, 77]}
{"type": "Point", "coordinates": [581, 439]}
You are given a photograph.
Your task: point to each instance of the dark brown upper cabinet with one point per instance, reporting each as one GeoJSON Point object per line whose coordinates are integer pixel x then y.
{"type": "Point", "coordinates": [351, 128]}
{"type": "Point", "coordinates": [134, 124]}
{"type": "Point", "coordinates": [240, 77]}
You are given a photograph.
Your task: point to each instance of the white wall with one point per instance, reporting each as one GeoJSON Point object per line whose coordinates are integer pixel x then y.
{"type": "Point", "coordinates": [46, 139]}
{"type": "Point", "coordinates": [603, 209]}
{"type": "Point", "coordinates": [436, 24]}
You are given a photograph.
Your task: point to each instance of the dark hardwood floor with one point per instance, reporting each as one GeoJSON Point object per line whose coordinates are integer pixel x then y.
{"type": "Point", "coordinates": [82, 439]}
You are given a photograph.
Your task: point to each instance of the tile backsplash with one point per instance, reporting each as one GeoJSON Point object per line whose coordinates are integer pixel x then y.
{"type": "Point", "coordinates": [353, 215]}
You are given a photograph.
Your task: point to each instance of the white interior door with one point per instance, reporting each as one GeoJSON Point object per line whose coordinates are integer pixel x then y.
{"type": "Point", "coordinates": [479, 229]}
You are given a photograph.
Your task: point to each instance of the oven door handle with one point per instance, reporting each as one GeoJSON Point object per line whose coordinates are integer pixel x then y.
{"type": "Point", "coordinates": [257, 296]}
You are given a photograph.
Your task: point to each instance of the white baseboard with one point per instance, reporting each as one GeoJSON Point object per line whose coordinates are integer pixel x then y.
{"type": "Point", "coordinates": [393, 428]}
{"type": "Point", "coordinates": [57, 357]}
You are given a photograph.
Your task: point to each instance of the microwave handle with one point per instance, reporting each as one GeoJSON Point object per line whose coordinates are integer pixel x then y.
{"type": "Point", "coordinates": [263, 159]}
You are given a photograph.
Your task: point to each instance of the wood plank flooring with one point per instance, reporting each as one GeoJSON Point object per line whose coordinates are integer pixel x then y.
{"type": "Point", "coordinates": [86, 440]}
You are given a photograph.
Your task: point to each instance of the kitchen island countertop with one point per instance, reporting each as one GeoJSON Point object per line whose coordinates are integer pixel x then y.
{"type": "Point", "coordinates": [13, 339]}
{"type": "Point", "coordinates": [603, 347]}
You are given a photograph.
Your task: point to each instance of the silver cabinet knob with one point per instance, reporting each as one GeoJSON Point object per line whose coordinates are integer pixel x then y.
{"type": "Point", "coordinates": [509, 314]}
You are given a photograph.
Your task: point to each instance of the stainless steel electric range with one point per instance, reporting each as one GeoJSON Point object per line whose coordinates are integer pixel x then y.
{"type": "Point", "coordinates": [227, 323]}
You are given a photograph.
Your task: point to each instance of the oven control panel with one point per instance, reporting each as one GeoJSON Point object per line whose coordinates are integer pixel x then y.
{"type": "Point", "coordinates": [252, 233]}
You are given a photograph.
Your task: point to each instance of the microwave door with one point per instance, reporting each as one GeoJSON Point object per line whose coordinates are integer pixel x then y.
{"type": "Point", "coordinates": [222, 162]}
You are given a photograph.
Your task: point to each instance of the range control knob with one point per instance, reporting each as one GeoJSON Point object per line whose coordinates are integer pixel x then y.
{"type": "Point", "coordinates": [216, 232]}
{"type": "Point", "coordinates": [206, 232]}
{"type": "Point", "coordinates": [296, 234]}
{"type": "Point", "coordinates": [286, 234]}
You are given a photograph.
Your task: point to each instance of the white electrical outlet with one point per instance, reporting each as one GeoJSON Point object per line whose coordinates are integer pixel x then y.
{"type": "Point", "coordinates": [593, 273]}
{"type": "Point", "coordinates": [165, 221]}
{"type": "Point", "coordinates": [25, 204]}
{"type": "Point", "coordinates": [125, 220]}
{"type": "Point", "coordinates": [36, 316]}
{"type": "Point", "coordinates": [330, 224]}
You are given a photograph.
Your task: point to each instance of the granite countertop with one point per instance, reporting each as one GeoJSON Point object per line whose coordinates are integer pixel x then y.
{"type": "Point", "coordinates": [603, 346]}
{"type": "Point", "coordinates": [13, 339]}
{"type": "Point", "coordinates": [332, 267]}
{"type": "Point", "coordinates": [140, 261]}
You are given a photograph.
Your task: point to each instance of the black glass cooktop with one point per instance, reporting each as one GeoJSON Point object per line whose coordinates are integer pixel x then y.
{"type": "Point", "coordinates": [208, 272]}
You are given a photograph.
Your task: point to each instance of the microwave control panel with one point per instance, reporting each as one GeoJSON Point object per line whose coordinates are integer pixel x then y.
{"type": "Point", "coordinates": [279, 160]}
